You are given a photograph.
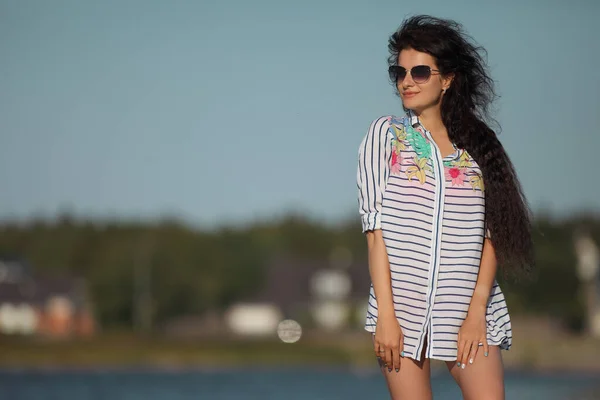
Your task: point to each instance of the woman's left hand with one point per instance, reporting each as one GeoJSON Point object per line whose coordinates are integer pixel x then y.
{"type": "Point", "coordinates": [470, 335]}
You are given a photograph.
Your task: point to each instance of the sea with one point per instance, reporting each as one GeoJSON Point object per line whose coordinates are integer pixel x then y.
{"type": "Point", "coordinates": [286, 383]}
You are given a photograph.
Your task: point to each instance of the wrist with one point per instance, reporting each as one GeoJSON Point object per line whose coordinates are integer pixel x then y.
{"type": "Point", "coordinates": [386, 312]}
{"type": "Point", "coordinates": [479, 300]}
{"type": "Point", "coordinates": [476, 309]}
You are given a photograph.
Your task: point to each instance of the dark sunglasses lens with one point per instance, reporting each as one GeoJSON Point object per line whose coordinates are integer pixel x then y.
{"type": "Point", "coordinates": [420, 73]}
{"type": "Point", "coordinates": [397, 74]}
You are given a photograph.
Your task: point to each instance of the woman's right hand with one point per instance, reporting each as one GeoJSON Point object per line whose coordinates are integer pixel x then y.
{"type": "Point", "coordinates": [389, 341]}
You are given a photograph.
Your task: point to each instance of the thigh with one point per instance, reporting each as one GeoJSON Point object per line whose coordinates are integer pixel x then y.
{"type": "Point", "coordinates": [411, 382]}
{"type": "Point", "coordinates": [482, 380]}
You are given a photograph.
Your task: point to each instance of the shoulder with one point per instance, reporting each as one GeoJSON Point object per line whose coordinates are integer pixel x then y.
{"type": "Point", "coordinates": [467, 161]}
{"type": "Point", "coordinates": [383, 125]}
{"type": "Point", "coordinates": [466, 156]}
{"type": "Point", "coordinates": [380, 123]}
{"type": "Point", "coordinates": [399, 121]}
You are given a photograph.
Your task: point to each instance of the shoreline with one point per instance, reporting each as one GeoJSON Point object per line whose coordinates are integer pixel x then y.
{"type": "Point", "coordinates": [348, 350]}
{"type": "Point", "coordinates": [191, 369]}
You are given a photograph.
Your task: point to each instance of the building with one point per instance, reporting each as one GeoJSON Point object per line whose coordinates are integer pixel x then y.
{"type": "Point", "coordinates": [50, 306]}
{"type": "Point", "coordinates": [314, 293]}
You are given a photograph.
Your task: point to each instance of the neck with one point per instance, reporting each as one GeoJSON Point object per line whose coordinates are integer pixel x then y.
{"type": "Point", "coordinates": [431, 119]}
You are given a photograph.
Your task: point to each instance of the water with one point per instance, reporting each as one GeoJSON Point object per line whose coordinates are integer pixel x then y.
{"type": "Point", "coordinates": [285, 383]}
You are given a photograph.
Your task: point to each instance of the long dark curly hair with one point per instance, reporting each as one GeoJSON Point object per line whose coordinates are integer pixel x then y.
{"type": "Point", "coordinates": [466, 113]}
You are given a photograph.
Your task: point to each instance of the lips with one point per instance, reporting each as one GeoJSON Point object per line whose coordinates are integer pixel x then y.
{"type": "Point", "coordinates": [408, 95]}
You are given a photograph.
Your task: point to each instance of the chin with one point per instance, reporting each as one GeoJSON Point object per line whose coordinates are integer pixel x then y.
{"type": "Point", "coordinates": [415, 105]}
{"type": "Point", "coordinates": [412, 105]}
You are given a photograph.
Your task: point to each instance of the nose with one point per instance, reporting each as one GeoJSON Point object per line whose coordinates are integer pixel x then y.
{"type": "Point", "coordinates": [407, 81]}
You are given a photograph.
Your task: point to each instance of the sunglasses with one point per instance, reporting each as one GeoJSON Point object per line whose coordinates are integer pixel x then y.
{"type": "Point", "coordinates": [418, 73]}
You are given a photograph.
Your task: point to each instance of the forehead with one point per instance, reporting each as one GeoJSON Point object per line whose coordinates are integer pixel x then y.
{"type": "Point", "coordinates": [409, 58]}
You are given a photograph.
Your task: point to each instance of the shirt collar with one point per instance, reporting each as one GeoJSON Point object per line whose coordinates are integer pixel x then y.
{"type": "Point", "coordinates": [413, 118]}
{"type": "Point", "coordinates": [414, 121]}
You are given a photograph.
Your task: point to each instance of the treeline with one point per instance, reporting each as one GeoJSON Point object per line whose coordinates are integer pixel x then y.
{"type": "Point", "coordinates": [190, 271]}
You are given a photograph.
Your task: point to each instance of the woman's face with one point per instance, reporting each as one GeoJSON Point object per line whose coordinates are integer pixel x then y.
{"type": "Point", "coordinates": [420, 96]}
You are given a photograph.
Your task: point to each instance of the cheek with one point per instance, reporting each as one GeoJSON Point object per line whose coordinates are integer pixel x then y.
{"type": "Point", "coordinates": [433, 90]}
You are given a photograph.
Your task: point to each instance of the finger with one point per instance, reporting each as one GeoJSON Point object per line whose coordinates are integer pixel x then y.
{"type": "Point", "coordinates": [465, 354]}
{"type": "Point", "coordinates": [379, 349]}
{"type": "Point", "coordinates": [461, 355]}
{"type": "Point", "coordinates": [473, 353]}
{"type": "Point", "coordinates": [486, 348]}
{"type": "Point", "coordinates": [401, 346]}
{"type": "Point", "coordinates": [388, 359]}
{"type": "Point", "coordinates": [376, 348]}
{"type": "Point", "coordinates": [381, 356]}
{"type": "Point", "coordinates": [461, 346]}
{"type": "Point", "coordinates": [380, 363]}
{"type": "Point", "coordinates": [396, 359]}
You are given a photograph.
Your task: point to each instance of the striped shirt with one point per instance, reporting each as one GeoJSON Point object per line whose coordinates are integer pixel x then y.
{"type": "Point", "coordinates": [431, 210]}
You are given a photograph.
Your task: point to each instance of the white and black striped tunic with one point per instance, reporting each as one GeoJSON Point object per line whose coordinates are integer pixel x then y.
{"type": "Point", "coordinates": [431, 210]}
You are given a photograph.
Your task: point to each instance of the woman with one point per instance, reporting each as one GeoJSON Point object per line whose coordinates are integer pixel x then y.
{"type": "Point", "coordinates": [441, 206]}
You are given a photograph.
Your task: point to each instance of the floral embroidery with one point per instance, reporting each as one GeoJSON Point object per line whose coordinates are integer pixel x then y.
{"type": "Point", "coordinates": [477, 181]}
{"type": "Point", "coordinates": [419, 143]}
{"type": "Point", "coordinates": [456, 175]}
{"type": "Point", "coordinates": [464, 161]}
{"type": "Point", "coordinates": [400, 135]}
{"type": "Point", "coordinates": [395, 163]}
{"type": "Point", "coordinates": [405, 134]}
{"type": "Point", "coordinates": [457, 170]}
{"type": "Point", "coordinates": [398, 145]}
{"type": "Point", "coordinates": [418, 169]}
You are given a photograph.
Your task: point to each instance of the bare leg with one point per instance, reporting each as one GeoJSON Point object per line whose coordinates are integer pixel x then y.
{"type": "Point", "coordinates": [412, 382]}
{"type": "Point", "coordinates": [482, 380]}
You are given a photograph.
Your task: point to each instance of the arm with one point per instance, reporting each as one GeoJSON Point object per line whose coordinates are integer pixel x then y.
{"type": "Point", "coordinates": [374, 157]}
{"type": "Point", "coordinates": [389, 341]}
{"type": "Point", "coordinates": [373, 170]}
{"type": "Point", "coordinates": [474, 328]}
{"type": "Point", "coordinates": [485, 280]}
{"type": "Point", "coordinates": [379, 270]}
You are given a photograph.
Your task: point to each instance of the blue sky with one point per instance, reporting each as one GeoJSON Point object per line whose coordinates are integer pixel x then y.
{"type": "Point", "coordinates": [232, 111]}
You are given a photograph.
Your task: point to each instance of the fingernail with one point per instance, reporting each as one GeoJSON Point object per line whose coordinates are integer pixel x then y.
{"type": "Point", "coordinates": [402, 354]}
{"type": "Point", "coordinates": [389, 370]}
{"type": "Point", "coordinates": [397, 369]}
{"type": "Point", "coordinates": [463, 366]}
{"type": "Point", "coordinates": [458, 364]}
{"type": "Point", "coordinates": [485, 354]}
{"type": "Point", "coordinates": [471, 361]}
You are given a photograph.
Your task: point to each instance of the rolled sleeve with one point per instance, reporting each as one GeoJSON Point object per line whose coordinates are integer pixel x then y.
{"type": "Point", "coordinates": [374, 156]}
